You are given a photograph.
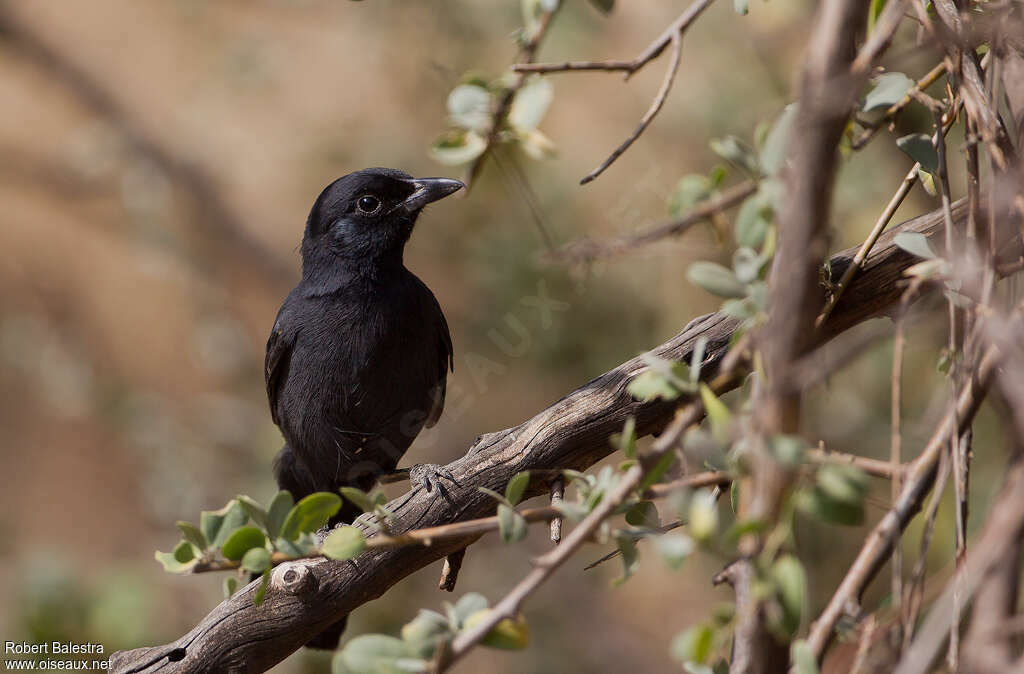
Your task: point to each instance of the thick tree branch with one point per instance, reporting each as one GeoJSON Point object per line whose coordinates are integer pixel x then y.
{"type": "Point", "coordinates": [827, 94]}
{"type": "Point", "coordinates": [306, 596]}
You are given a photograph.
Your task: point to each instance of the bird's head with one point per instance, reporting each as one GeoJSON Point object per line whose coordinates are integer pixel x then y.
{"type": "Point", "coordinates": [367, 216]}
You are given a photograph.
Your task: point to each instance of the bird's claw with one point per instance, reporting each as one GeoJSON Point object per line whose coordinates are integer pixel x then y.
{"type": "Point", "coordinates": [429, 476]}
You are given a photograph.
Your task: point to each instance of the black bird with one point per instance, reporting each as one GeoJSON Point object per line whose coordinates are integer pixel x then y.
{"type": "Point", "coordinates": [357, 360]}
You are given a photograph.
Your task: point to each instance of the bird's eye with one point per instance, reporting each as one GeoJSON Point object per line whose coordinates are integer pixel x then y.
{"type": "Point", "coordinates": [368, 203]}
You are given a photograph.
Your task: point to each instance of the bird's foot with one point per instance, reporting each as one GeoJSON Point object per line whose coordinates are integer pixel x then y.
{"type": "Point", "coordinates": [429, 476]}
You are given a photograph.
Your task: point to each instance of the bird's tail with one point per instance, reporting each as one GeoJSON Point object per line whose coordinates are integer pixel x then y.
{"type": "Point", "coordinates": [293, 476]}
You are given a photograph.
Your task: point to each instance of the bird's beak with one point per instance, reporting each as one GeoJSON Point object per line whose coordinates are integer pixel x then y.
{"type": "Point", "coordinates": [428, 190]}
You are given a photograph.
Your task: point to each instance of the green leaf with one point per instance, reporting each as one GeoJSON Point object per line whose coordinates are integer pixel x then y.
{"type": "Point", "coordinates": [715, 279]}
{"type": "Point", "coordinates": [372, 654]}
{"type": "Point", "coordinates": [693, 645]}
{"type": "Point", "coordinates": [674, 548]}
{"type": "Point", "coordinates": [305, 544]}
{"type": "Point", "coordinates": [746, 263]}
{"type": "Point", "coordinates": [718, 175]}
{"type": "Point", "coordinates": [511, 524]}
{"type": "Point", "coordinates": [193, 535]}
{"type": "Point", "coordinates": [789, 450]}
{"type": "Point", "coordinates": [843, 483]}
{"type": "Point", "coordinates": [791, 584]}
{"type": "Point", "coordinates": [537, 146]}
{"type": "Point", "coordinates": [254, 510]}
{"type": "Point", "coordinates": [703, 519]}
{"type": "Point", "coordinates": [890, 89]}
{"type": "Point", "coordinates": [425, 631]}
{"type": "Point", "coordinates": [256, 560]}
{"type": "Point", "coordinates": [229, 587]}
{"type": "Point", "coordinates": [803, 659]}
{"type": "Point", "coordinates": [183, 552]}
{"type": "Point", "coordinates": [773, 154]}
{"type": "Point", "coordinates": [309, 514]}
{"type": "Point", "coordinates": [927, 182]}
{"type": "Point", "coordinates": [736, 151]}
{"type": "Point", "coordinates": [741, 6]}
{"type": "Point", "coordinates": [741, 309]}
{"type": "Point", "coordinates": [817, 503]}
{"type": "Point", "coordinates": [280, 506]}
{"type": "Point", "coordinates": [241, 541]}
{"type": "Point", "coordinates": [626, 440]}
{"type": "Point", "coordinates": [217, 525]}
{"type": "Point", "coordinates": [752, 221]}
{"type": "Point", "coordinates": [458, 147]}
{"type": "Point", "coordinates": [500, 498]}
{"type": "Point", "coordinates": [360, 498]}
{"type": "Point", "coordinates": [507, 635]}
{"type": "Point", "coordinates": [649, 385]}
{"type": "Point", "coordinates": [655, 474]}
{"type": "Point", "coordinates": [920, 148]}
{"type": "Point", "coordinates": [915, 243]}
{"type": "Point", "coordinates": [261, 591]}
{"type": "Point", "coordinates": [603, 6]}
{"type": "Point", "coordinates": [741, 528]}
{"type": "Point", "coordinates": [517, 486]}
{"type": "Point", "coordinates": [469, 107]}
{"type": "Point", "coordinates": [467, 605]}
{"type": "Point", "coordinates": [643, 514]}
{"type": "Point", "coordinates": [570, 510]}
{"type": "Point", "coordinates": [630, 558]}
{"type": "Point", "coordinates": [531, 104]}
{"type": "Point", "coordinates": [344, 543]}
{"type": "Point", "coordinates": [697, 359]}
{"type": "Point", "coordinates": [718, 414]}
{"type": "Point", "coordinates": [689, 191]}
{"type": "Point", "coordinates": [171, 563]}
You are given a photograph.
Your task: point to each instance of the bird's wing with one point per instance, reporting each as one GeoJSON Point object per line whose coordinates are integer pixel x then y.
{"type": "Point", "coordinates": [278, 359]}
{"type": "Point", "coordinates": [446, 362]}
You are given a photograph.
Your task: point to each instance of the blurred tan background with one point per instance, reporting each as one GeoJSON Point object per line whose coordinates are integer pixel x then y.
{"type": "Point", "coordinates": [157, 162]}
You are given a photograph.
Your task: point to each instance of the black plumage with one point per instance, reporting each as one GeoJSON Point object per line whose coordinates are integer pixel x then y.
{"type": "Point", "coordinates": [358, 357]}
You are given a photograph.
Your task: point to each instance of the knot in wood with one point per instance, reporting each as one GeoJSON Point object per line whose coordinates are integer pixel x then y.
{"type": "Point", "coordinates": [294, 578]}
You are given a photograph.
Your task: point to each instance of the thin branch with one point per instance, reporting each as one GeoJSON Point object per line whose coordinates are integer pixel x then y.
{"type": "Point", "coordinates": [1002, 529]}
{"type": "Point", "coordinates": [914, 599]}
{"type": "Point", "coordinates": [827, 93]}
{"type": "Point", "coordinates": [618, 551]}
{"type": "Point", "coordinates": [653, 50]}
{"type": "Point", "coordinates": [673, 35]}
{"type": "Point", "coordinates": [568, 66]}
{"type": "Point", "coordinates": [873, 467]}
{"type": "Point", "coordinates": [557, 494]}
{"type": "Point", "coordinates": [585, 250]}
{"type": "Point", "coordinates": [879, 39]}
{"type": "Point", "coordinates": [958, 455]}
{"type": "Point", "coordinates": [526, 54]}
{"type": "Point", "coordinates": [896, 449]}
{"type": "Point", "coordinates": [659, 100]}
{"type": "Point", "coordinates": [929, 79]}
{"type": "Point", "coordinates": [919, 481]}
